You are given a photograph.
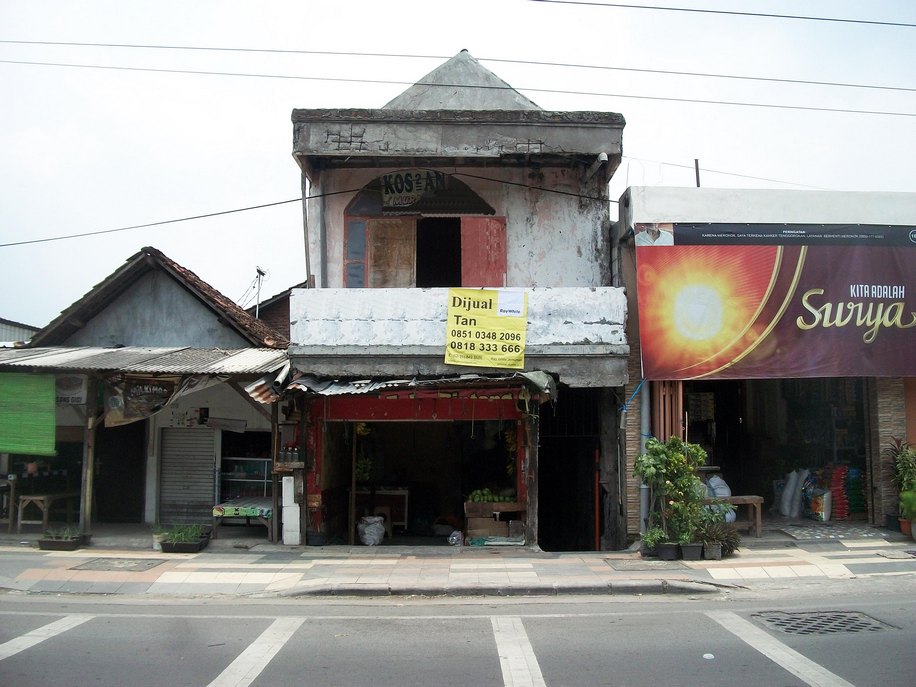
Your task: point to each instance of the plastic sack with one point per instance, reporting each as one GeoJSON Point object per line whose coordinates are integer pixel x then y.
{"type": "Point", "coordinates": [371, 530]}
{"type": "Point", "coordinates": [820, 505]}
{"type": "Point", "coordinates": [456, 538]}
{"type": "Point", "coordinates": [785, 500]}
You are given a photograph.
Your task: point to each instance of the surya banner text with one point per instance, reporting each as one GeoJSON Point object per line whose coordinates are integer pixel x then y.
{"type": "Point", "coordinates": [720, 301]}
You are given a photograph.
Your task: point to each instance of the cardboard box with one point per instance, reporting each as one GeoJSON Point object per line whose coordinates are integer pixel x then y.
{"type": "Point", "coordinates": [494, 529]}
{"type": "Point", "coordinates": [479, 523]}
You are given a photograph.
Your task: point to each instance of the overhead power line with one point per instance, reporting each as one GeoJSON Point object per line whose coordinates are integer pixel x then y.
{"type": "Point", "coordinates": [333, 193]}
{"type": "Point", "coordinates": [150, 224]}
{"type": "Point", "coordinates": [533, 63]}
{"type": "Point", "coordinates": [800, 17]}
{"type": "Point", "coordinates": [806, 108]}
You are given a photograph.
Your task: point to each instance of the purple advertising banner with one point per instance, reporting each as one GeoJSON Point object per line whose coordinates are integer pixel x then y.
{"type": "Point", "coordinates": [757, 301]}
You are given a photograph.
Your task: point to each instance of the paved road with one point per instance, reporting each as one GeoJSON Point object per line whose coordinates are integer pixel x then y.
{"type": "Point", "coordinates": [856, 632]}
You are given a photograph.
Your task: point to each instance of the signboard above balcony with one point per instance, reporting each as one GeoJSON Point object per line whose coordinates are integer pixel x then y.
{"type": "Point", "coordinates": [419, 192]}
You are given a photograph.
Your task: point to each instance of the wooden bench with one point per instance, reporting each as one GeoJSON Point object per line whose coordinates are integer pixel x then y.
{"type": "Point", "coordinates": [754, 510]}
{"type": "Point", "coordinates": [44, 502]}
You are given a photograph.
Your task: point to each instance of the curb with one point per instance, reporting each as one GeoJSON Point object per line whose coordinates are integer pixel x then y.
{"type": "Point", "coordinates": [631, 587]}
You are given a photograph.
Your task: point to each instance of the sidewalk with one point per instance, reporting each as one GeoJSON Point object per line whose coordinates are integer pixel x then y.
{"type": "Point", "coordinates": [243, 566]}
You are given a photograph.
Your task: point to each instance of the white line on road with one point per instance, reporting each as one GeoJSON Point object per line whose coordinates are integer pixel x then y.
{"type": "Point", "coordinates": [516, 656]}
{"type": "Point", "coordinates": [249, 664]}
{"type": "Point", "coordinates": [801, 667]}
{"type": "Point", "coordinates": [30, 639]}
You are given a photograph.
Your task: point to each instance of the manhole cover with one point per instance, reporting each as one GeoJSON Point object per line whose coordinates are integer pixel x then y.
{"type": "Point", "coordinates": [116, 564]}
{"type": "Point", "coordinates": [821, 623]}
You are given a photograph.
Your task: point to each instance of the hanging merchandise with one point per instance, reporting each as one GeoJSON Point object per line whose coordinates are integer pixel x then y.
{"type": "Point", "coordinates": [855, 490]}
{"type": "Point", "coordinates": [840, 505]}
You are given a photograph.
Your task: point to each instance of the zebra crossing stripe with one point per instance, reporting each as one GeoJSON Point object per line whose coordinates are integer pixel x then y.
{"type": "Point", "coordinates": [516, 655]}
{"type": "Point", "coordinates": [800, 666]}
{"type": "Point", "coordinates": [249, 664]}
{"type": "Point", "coordinates": [37, 636]}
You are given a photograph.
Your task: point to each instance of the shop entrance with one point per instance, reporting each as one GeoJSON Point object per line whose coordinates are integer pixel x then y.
{"type": "Point", "coordinates": [418, 474]}
{"type": "Point", "coordinates": [119, 472]}
{"type": "Point", "coordinates": [757, 431]}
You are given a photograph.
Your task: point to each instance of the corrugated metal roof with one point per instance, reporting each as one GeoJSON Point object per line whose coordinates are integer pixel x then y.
{"type": "Point", "coordinates": [139, 359]}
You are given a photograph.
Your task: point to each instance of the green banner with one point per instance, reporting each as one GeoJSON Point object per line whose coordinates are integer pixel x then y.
{"type": "Point", "coordinates": [27, 414]}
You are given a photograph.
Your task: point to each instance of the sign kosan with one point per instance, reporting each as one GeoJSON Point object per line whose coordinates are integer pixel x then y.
{"type": "Point", "coordinates": [486, 328]}
{"type": "Point", "coordinates": [403, 189]}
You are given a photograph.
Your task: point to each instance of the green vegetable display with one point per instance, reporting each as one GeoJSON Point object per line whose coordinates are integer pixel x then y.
{"type": "Point", "coordinates": [487, 496]}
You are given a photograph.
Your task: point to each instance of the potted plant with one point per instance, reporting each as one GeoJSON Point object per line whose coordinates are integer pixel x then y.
{"type": "Point", "coordinates": [650, 539]}
{"type": "Point", "coordinates": [184, 539]}
{"type": "Point", "coordinates": [61, 539]}
{"type": "Point", "coordinates": [908, 509]}
{"type": "Point", "coordinates": [675, 492]}
{"type": "Point", "coordinates": [720, 539]}
{"type": "Point", "coordinates": [904, 456]}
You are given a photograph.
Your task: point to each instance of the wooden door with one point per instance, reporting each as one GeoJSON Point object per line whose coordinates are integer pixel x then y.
{"type": "Point", "coordinates": [483, 251]}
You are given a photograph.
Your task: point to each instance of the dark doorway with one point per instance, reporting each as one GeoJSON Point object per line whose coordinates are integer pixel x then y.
{"type": "Point", "coordinates": [119, 472]}
{"type": "Point", "coordinates": [438, 252]}
{"type": "Point", "coordinates": [569, 437]}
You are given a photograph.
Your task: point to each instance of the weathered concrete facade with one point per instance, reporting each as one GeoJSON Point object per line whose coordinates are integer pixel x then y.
{"type": "Point", "coordinates": [540, 179]}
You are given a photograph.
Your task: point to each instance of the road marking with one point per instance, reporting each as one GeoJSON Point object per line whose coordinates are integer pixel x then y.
{"type": "Point", "coordinates": [516, 656]}
{"type": "Point", "coordinates": [801, 667]}
{"type": "Point", "coordinates": [30, 639]}
{"type": "Point", "coordinates": [249, 664]}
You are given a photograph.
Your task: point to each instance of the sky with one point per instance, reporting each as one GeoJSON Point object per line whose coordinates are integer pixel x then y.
{"type": "Point", "coordinates": [86, 149]}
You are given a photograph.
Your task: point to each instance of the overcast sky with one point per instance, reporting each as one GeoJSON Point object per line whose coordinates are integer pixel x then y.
{"type": "Point", "coordinates": [84, 149]}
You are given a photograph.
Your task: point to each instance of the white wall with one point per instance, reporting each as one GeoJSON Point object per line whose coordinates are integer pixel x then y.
{"type": "Point", "coordinates": [552, 239]}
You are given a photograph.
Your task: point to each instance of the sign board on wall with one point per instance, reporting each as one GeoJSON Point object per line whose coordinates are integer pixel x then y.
{"type": "Point", "coordinates": [71, 389]}
{"type": "Point", "coordinates": [406, 188]}
{"type": "Point", "coordinates": [486, 328]}
{"type": "Point", "coordinates": [721, 301]}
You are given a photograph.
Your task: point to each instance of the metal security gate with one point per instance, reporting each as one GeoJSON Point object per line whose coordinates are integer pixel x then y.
{"type": "Point", "coordinates": [187, 475]}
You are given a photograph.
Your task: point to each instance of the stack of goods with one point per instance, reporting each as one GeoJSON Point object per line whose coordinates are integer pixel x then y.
{"type": "Point", "coordinates": [839, 498]}
{"type": "Point", "coordinates": [855, 489]}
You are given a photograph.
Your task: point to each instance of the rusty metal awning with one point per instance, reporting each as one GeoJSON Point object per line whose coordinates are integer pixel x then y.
{"type": "Point", "coordinates": [271, 387]}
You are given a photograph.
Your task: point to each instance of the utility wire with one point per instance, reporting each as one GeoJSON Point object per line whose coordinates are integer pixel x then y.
{"type": "Point", "coordinates": [806, 108]}
{"type": "Point", "coordinates": [333, 193]}
{"type": "Point", "coordinates": [731, 174]}
{"type": "Point", "coordinates": [150, 224]}
{"type": "Point", "coordinates": [800, 17]}
{"type": "Point", "coordinates": [533, 63]}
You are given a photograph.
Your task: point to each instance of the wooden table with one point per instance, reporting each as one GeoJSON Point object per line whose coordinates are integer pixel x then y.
{"type": "Point", "coordinates": [259, 508]}
{"type": "Point", "coordinates": [44, 502]}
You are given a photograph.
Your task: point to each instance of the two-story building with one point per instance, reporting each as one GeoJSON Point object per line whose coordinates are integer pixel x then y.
{"type": "Point", "coordinates": [460, 192]}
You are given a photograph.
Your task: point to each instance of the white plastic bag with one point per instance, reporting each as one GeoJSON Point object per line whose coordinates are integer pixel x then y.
{"type": "Point", "coordinates": [371, 530]}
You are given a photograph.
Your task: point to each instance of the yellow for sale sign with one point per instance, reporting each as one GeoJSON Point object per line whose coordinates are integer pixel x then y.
{"type": "Point", "coordinates": [486, 327]}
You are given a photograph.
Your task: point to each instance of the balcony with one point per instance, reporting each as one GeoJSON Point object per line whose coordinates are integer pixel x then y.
{"type": "Point", "coordinates": [577, 334]}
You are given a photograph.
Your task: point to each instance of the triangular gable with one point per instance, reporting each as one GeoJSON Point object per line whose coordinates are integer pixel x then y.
{"type": "Point", "coordinates": [461, 83]}
{"type": "Point", "coordinates": [139, 267]}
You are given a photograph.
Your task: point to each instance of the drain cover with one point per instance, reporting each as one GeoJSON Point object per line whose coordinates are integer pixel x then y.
{"type": "Point", "coordinates": [821, 623]}
{"type": "Point", "coordinates": [119, 564]}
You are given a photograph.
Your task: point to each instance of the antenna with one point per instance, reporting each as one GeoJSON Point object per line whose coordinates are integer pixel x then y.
{"type": "Point", "coordinates": [257, 306]}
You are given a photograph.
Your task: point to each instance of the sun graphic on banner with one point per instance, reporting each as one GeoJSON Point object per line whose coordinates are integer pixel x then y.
{"type": "Point", "coordinates": [698, 305]}
{"type": "Point", "coordinates": [698, 312]}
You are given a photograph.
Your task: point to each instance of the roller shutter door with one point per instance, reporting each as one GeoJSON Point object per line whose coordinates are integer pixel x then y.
{"type": "Point", "coordinates": [187, 477]}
